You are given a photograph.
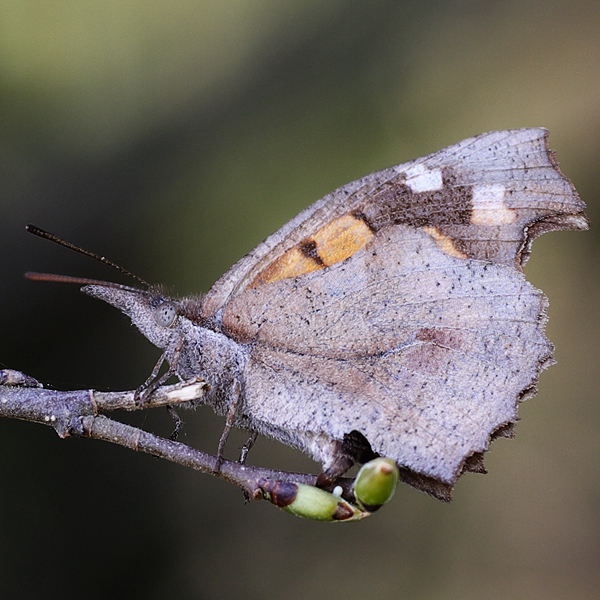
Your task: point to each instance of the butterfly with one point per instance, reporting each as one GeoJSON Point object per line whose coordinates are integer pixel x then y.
{"type": "Point", "coordinates": [391, 317]}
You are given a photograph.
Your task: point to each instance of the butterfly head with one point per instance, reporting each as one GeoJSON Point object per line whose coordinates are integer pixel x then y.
{"type": "Point", "coordinates": [153, 313]}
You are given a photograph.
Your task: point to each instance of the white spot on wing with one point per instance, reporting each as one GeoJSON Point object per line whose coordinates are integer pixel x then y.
{"type": "Point", "coordinates": [420, 179]}
{"type": "Point", "coordinates": [489, 207]}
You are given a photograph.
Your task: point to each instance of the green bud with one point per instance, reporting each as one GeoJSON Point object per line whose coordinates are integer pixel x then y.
{"type": "Point", "coordinates": [376, 483]}
{"type": "Point", "coordinates": [315, 503]}
{"type": "Point", "coordinates": [310, 502]}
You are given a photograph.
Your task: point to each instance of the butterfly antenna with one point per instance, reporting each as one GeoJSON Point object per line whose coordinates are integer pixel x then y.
{"type": "Point", "coordinates": [54, 238]}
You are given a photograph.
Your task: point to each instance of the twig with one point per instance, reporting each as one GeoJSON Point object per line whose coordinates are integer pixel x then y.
{"type": "Point", "coordinates": [78, 414]}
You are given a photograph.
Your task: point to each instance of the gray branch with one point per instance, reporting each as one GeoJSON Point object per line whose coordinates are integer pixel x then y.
{"type": "Point", "coordinates": [79, 414]}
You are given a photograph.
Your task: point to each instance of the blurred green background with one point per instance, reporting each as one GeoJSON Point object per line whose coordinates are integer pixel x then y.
{"type": "Point", "coordinates": [173, 137]}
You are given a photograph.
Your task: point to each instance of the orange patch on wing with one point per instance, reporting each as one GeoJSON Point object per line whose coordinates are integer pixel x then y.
{"type": "Point", "coordinates": [341, 238]}
{"type": "Point", "coordinates": [333, 243]}
{"type": "Point", "coordinates": [444, 243]}
{"type": "Point", "coordinates": [291, 264]}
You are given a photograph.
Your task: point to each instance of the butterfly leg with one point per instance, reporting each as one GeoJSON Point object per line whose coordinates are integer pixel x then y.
{"type": "Point", "coordinates": [246, 447]}
{"type": "Point", "coordinates": [342, 463]}
{"type": "Point", "coordinates": [229, 421]}
{"type": "Point", "coordinates": [178, 423]}
{"type": "Point", "coordinates": [355, 448]}
{"type": "Point", "coordinates": [152, 383]}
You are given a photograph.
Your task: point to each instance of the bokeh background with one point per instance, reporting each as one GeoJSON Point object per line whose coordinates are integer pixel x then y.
{"type": "Point", "coordinates": [172, 136]}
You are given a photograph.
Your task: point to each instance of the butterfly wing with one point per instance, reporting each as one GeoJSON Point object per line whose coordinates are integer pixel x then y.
{"type": "Point", "coordinates": [487, 197]}
{"type": "Point", "coordinates": [423, 353]}
{"type": "Point", "coordinates": [396, 306]}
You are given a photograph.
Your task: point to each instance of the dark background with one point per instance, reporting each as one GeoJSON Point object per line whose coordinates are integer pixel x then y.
{"type": "Point", "coordinates": [173, 137]}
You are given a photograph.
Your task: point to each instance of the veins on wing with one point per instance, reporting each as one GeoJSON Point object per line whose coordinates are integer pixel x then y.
{"type": "Point", "coordinates": [390, 391]}
{"type": "Point", "coordinates": [479, 356]}
{"type": "Point", "coordinates": [403, 305]}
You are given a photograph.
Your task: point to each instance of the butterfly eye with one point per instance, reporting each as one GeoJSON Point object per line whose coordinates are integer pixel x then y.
{"type": "Point", "coordinates": [165, 314]}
